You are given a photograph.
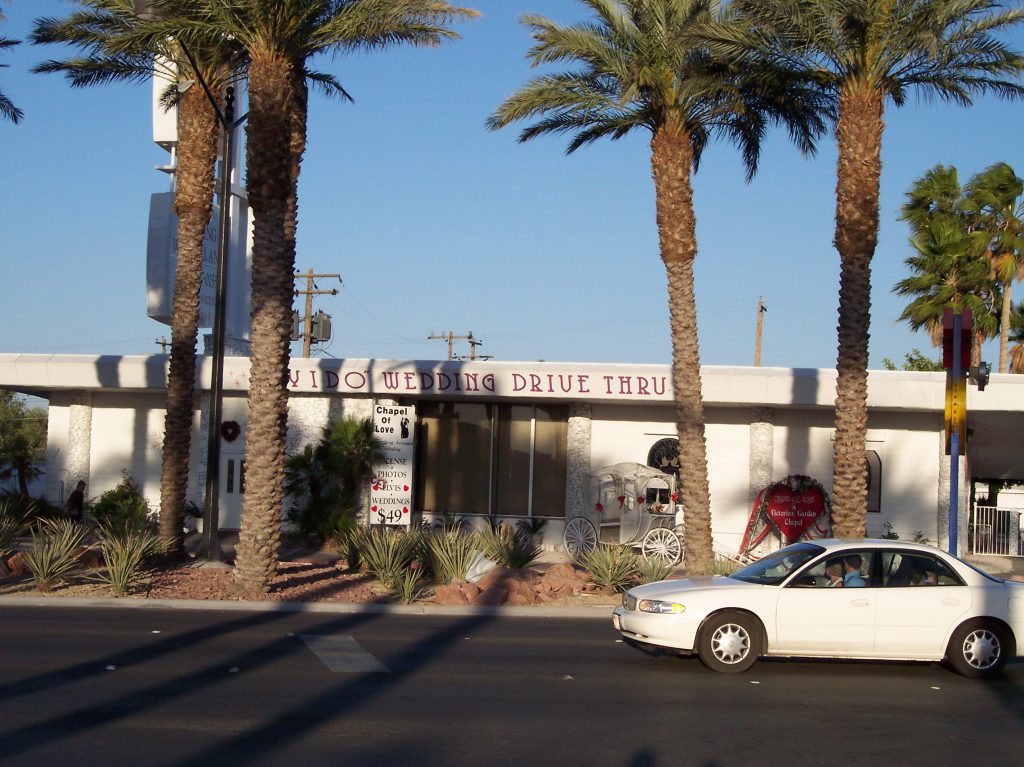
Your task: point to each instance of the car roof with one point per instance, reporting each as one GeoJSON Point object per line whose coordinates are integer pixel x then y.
{"type": "Point", "coordinates": [875, 543]}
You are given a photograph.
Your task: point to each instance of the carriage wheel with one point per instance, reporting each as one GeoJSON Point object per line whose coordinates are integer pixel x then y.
{"type": "Point", "coordinates": [580, 537]}
{"type": "Point", "coordinates": [663, 544]}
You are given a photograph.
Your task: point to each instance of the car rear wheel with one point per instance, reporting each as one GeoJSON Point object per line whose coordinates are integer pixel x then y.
{"type": "Point", "coordinates": [978, 649]}
{"type": "Point", "coordinates": [730, 642]}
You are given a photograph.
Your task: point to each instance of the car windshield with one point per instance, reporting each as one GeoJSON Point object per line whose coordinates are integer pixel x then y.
{"type": "Point", "coordinates": [774, 568]}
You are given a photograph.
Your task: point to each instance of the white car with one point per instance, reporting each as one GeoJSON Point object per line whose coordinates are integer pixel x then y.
{"type": "Point", "coordinates": [894, 600]}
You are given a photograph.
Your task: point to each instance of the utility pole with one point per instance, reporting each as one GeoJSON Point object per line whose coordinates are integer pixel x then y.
{"type": "Point", "coordinates": [761, 309]}
{"type": "Point", "coordinates": [163, 343]}
{"type": "Point", "coordinates": [309, 292]}
{"type": "Point", "coordinates": [473, 343]}
{"type": "Point", "coordinates": [451, 338]}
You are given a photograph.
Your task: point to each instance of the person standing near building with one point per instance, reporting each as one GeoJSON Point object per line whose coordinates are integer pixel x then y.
{"type": "Point", "coordinates": [76, 502]}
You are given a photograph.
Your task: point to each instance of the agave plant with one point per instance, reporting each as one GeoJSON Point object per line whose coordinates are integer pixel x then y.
{"type": "Point", "coordinates": [409, 583]}
{"type": "Point", "coordinates": [613, 568]}
{"type": "Point", "coordinates": [511, 547]}
{"type": "Point", "coordinates": [386, 552]}
{"type": "Point", "coordinates": [451, 554]}
{"type": "Point", "coordinates": [125, 554]}
{"type": "Point", "coordinates": [653, 569]}
{"type": "Point", "coordinates": [52, 556]}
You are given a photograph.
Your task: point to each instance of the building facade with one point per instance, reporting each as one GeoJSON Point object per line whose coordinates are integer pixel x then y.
{"type": "Point", "coordinates": [519, 440]}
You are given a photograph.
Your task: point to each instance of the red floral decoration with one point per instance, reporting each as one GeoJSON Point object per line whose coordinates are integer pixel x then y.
{"type": "Point", "coordinates": [675, 497]}
{"type": "Point", "coordinates": [599, 506]}
{"type": "Point", "coordinates": [640, 500]}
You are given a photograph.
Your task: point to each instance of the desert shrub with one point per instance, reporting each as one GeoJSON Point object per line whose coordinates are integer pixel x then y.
{"type": "Point", "coordinates": [409, 582]}
{"type": "Point", "coordinates": [613, 568]}
{"type": "Point", "coordinates": [125, 554]}
{"type": "Point", "coordinates": [532, 525]}
{"type": "Point", "coordinates": [13, 522]}
{"type": "Point", "coordinates": [30, 512]}
{"type": "Point", "coordinates": [52, 555]}
{"type": "Point", "coordinates": [451, 554]}
{"type": "Point", "coordinates": [511, 547]}
{"type": "Point", "coordinates": [386, 552]}
{"type": "Point", "coordinates": [122, 508]}
{"type": "Point", "coordinates": [652, 570]}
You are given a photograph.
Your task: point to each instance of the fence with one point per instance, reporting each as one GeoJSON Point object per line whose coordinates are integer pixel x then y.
{"type": "Point", "coordinates": [996, 531]}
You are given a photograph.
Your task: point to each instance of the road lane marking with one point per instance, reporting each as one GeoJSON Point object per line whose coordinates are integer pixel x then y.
{"type": "Point", "coordinates": [340, 652]}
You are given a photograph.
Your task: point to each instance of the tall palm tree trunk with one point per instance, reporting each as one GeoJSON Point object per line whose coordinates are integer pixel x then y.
{"type": "Point", "coordinates": [197, 144]}
{"type": "Point", "coordinates": [859, 138]}
{"type": "Point", "coordinates": [273, 266]}
{"type": "Point", "coordinates": [672, 163]}
{"type": "Point", "coordinates": [1004, 327]}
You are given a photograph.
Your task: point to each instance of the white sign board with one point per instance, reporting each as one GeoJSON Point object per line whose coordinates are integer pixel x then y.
{"type": "Point", "coordinates": [162, 261]}
{"type": "Point", "coordinates": [391, 486]}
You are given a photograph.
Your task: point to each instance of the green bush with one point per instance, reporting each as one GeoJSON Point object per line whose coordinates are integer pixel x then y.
{"type": "Point", "coordinates": [511, 547]}
{"type": "Point", "coordinates": [121, 508]}
{"type": "Point", "coordinates": [613, 568]}
{"type": "Point", "coordinates": [51, 558]}
{"type": "Point", "coordinates": [324, 480]}
{"type": "Point", "coordinates": [451, 554]}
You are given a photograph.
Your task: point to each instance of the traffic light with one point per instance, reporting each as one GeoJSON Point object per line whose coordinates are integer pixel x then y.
{"type": "Point", "coordinates": [296, 326]}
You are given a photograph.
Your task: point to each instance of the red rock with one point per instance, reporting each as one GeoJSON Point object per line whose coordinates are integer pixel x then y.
{"type": "Point", "coordinates": [519, 599]}
{"type": "Point", "coordinates": [16, 564]}
{"type": "Point", "coordinates": [492, 597]}
{"type": "Point", "coordinates": [499, 575]}
{"type": "Point", "coordinates": [450, 595]}
{"type": "Point", "coordinates": [88, 558]}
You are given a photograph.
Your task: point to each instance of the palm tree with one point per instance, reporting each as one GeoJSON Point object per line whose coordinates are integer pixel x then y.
{"type": "Point", "coordinates": [949, 268]}
{"type": "Point", "coordinates": [862, 54]}
{"type": "Point", "coordinates": [996, 205]}
{"type": "Point", "coordinates": [117, 48]}
{"type": "Point", "coordinates": [279, 38]}
{"type": "Point", "coordinates": [1017, 337]}
{"type": "Point", "coordinates": [7, 108]}
{"type": "Point", "coordinates": [644, 64]}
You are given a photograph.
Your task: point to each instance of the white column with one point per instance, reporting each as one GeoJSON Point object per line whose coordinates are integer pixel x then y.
{"type": "Point", "coordinates": [577, 458]}
{"type": "Point", "coordinates": [762, 452]}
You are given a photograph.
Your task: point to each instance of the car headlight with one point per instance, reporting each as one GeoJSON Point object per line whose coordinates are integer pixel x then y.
{"type": "Point", "coordinates": [657, 606]}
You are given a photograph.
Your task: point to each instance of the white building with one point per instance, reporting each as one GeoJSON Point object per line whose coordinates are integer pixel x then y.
{"type": "Point", "coordinates": [519, 439]}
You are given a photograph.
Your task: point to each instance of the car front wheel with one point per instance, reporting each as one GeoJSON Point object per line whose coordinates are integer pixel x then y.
{"type": "Point", "coordinates": [730, 642]}
{"type": "Point", "coordinates": [978, 649]}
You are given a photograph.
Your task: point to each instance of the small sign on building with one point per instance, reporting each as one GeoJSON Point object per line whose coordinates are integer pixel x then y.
{"type": "Point", "coordinates": [391, 486]}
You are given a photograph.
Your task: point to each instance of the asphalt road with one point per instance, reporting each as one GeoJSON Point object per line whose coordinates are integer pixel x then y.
{"type": "Point", "coordinates": [175, 688]}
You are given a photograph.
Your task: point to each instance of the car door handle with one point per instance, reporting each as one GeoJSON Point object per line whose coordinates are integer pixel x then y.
{"type": "Point", "coordinates": [951, 602]}
{"type": "Point", "coordinates": [860, 602]}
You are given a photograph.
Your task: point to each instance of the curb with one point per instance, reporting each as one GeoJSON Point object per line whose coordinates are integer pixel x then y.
{"type": "Point", "coordinates": [602, 612]}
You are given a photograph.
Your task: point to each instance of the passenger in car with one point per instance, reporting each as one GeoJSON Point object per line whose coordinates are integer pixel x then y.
{"type": "Point", "coordinates": [853, 578]}
{"type": "Point", "coordinates": [834, 573]}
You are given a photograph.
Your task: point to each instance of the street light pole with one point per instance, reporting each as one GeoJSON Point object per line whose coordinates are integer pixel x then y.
{"type": "Point", "coordinates": [149, 10]}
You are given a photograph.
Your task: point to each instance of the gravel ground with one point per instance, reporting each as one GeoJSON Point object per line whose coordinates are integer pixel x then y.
{"type": "Point", "coordinates": [295, 581]}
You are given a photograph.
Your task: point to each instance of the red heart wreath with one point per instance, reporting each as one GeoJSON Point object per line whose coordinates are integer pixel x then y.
{"type": "Point", "coordinates": [230, 430]}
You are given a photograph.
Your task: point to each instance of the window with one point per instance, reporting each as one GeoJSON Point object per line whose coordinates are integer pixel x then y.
{"type": "Point", "coordinates": [874, 470]}
{"type": "Point", "coordinates": [230, 483]}
{"type": "Point", "coordinates": [916, 569]}
{"type": "Point", "coordinates": [503, 460]}
{"type": "Point", "coordinates": [664, 456]}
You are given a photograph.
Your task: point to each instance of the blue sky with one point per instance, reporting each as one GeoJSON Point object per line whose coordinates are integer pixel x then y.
{"type": "Point", "coordinates": [436, 224]}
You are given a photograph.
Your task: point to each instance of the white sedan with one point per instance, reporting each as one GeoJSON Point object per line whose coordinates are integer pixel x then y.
{"type": "Point", "coordinates": [883, 599]}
